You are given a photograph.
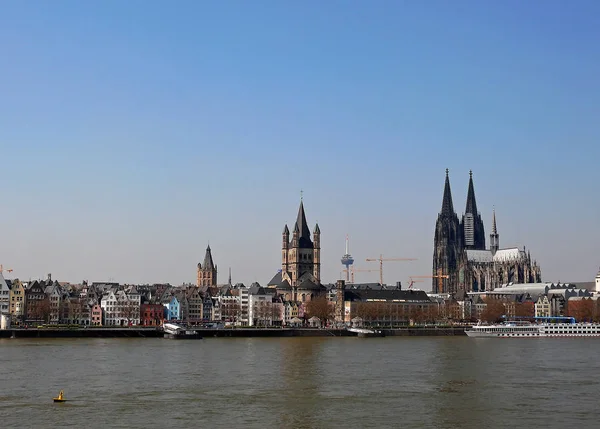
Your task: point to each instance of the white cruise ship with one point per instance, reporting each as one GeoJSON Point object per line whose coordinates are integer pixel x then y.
{"type": "Point", "coordinates": [533, 330]}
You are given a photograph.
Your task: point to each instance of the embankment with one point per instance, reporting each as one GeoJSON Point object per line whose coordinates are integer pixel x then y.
{"type": "Point", "coordinates": [208, 333]}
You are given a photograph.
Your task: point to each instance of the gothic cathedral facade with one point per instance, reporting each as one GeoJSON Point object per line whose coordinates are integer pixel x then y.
{"type": "Point", "coordinates": [460, 258]}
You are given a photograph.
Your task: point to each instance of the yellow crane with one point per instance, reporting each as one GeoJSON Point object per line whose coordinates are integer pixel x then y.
{"type": "Point", "coordinates": [381, 259]}
{"type": "Point", "coordinates": [353, 270]}
{"type": "Point", "coordinates": [439, 277]}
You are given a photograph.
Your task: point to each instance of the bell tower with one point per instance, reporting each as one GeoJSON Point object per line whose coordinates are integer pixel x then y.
{"type": "Point", "coordinates": [301, 255]}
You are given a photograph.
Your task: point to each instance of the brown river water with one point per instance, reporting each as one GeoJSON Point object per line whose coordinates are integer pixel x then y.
{"type": "Point", "coordinates": [349, 382]}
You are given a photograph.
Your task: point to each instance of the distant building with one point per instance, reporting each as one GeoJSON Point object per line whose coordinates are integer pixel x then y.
{"type": "Point", "coordinates": [300, 276]}
{"type": "Point", "coordinates": [96, 315]}
{"type": "Point", "coordinates": [152, 314]}
{"type": "Point", "coordinates": [207, 272]}
{"type": "Point", "coordinates": [460, 258]}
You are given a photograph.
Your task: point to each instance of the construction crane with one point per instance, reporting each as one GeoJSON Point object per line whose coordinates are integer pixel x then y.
{"type": "Point", "coordinates": [381, 259]}
{"type": "Point", "coordinates": [411, 282]}
{"type": "Point", "coordinates": [439, 277]}
{"type": "Point", "coordinates": [10, 270]}
{"type": "Point", "coordinates": [353, 270]}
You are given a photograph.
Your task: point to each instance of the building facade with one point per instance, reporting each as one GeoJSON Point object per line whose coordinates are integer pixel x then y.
{"type": "Point", "coordinates": [461, 260]}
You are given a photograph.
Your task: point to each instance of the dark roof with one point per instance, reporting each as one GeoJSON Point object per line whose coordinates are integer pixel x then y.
{"type": "Point", "coordinates": [362, 286]}
{"type": "Point", "coordinates": [386, 294]}
{"type": "Point", "coordinates": [259, 290]}
{"type": "Point", "coordinates": [591, 286]}
{"type": "Point", "coordinates": [277, 278]}
{"type": "Point", "coordinates": [310, 285]}
{"type": "Point", "coordinates": [304, 241]}
{"type": "Point", "coordinates": [284, 285]}
{"type": "Point", "coordinates": [208, 260]}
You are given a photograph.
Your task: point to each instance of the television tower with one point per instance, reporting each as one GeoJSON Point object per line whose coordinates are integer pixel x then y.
{"type": "Point", "coordinates": [347, 260]}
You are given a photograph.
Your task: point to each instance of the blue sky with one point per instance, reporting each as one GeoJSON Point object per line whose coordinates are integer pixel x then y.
{"type": "Point", "coordinates": [133, 133]}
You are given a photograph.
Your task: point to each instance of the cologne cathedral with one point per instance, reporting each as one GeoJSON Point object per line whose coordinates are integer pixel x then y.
{"type": "Point", "coordinates": [460, 258]}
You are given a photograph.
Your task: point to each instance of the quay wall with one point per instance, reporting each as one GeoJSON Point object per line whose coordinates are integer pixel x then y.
{"type": "Point", "coordinates": [81, 333]}
{"type": "Point", "coordinates": [234, 333]}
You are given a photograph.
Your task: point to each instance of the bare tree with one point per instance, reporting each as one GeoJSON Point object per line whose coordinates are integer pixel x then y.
{"type": "Point", "coordinates": [493, 311]}
{"type": "Point", "coordinates": [524, 309]}
{"type": "Point", "coordinates": [321, 308]}
{"type": "Point", "coordinates": [43, 310]}
{"type": "Point", "coordinates": [129, 310]}
{"type": "Point", "coordinates": [582, 310]}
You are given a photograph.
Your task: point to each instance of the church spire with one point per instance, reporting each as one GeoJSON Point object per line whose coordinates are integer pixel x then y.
{"type": "Point", "coordinates": [447, 206]}
{"type": "Point", "coordinates": [208, 260]}
{"type": "Point", "coordinates": [471, 203]}
{"type": "Point", "coordinates": [303, 230]}
{"type": "Point", "coordinates": [494, 236]}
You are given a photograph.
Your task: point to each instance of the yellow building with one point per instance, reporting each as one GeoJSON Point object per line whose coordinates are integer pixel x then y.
{"type": "Point", "coordinates": [17, 300]}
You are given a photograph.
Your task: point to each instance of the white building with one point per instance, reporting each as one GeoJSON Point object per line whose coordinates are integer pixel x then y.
{"type": "Point", "coordinates": [598, 282]}
{"type": "Point", "coordinates": [4, 296]}
{"type": "Point", "coordinates": [109, 308]}
{"type": "Point", "coordinates": [260, 306]}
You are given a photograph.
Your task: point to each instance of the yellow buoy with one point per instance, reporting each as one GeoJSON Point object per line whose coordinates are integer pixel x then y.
{"type": "Point", "coordinates": [59, 398]}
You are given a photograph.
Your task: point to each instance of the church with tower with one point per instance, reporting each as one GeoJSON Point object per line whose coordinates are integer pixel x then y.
{"type": "Point", "coordinates": [300, 276]}
{"type": "Point", "coordinates": [207, 271]}
{"type": "Point", "coordinates": [460, 258]}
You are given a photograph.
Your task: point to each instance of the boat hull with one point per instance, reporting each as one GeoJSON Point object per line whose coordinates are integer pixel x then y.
{"type": "Point", "coordinates": [543, 330]}
{"type": "Point", "coordinates": [184, 336]}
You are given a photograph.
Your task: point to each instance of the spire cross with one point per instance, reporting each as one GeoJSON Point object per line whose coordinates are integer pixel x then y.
{"type": "Point", "coordinates": [301, 194]}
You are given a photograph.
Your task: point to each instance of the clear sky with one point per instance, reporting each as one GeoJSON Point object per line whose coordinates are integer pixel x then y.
{"type": "Point", "coordinates": [132, 133]}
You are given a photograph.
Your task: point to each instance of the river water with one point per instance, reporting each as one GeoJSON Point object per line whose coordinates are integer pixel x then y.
{"type": "Point", "coordinates": [442, 382]}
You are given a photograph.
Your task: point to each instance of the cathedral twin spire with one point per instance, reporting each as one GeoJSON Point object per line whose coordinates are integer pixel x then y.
{"type": "Point", "coordinates": [447, 206]}
{"type": "Point", "coordinates": [471, 203]}
{"type": "Point", "coordinates": [472, 229]}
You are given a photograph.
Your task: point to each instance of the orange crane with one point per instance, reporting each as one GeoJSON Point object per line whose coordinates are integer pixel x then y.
{"type": "Point", "coordinates": [439, 277]}
{"type": "Point", "coordinates": [10, 270]}
{"type": "Point", "coordinates": [353, 270]}
{"type": "Point", "coordinates": [381, 259]}
{"type": "Point", "coordinates": [410, 284]}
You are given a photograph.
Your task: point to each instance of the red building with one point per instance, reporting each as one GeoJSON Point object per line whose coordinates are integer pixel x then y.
{"type": "Point", "coordinates": [152, 314]}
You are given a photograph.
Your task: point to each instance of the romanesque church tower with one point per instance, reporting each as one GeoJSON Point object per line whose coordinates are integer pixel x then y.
{"type": "Point", "coordinates": [207, 272]}
{"type": "Point", "coordinates": [301, 256]}
{"type": "Point", "coordinates": [447, 244]}
{"type": "Point", "coordinates": [471, 223]}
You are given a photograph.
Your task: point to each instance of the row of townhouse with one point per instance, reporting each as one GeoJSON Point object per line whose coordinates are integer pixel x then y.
{"type": "Point", "coordinates": [112, 304]}
{"type": "Point", "coordinates": [43, 301]}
